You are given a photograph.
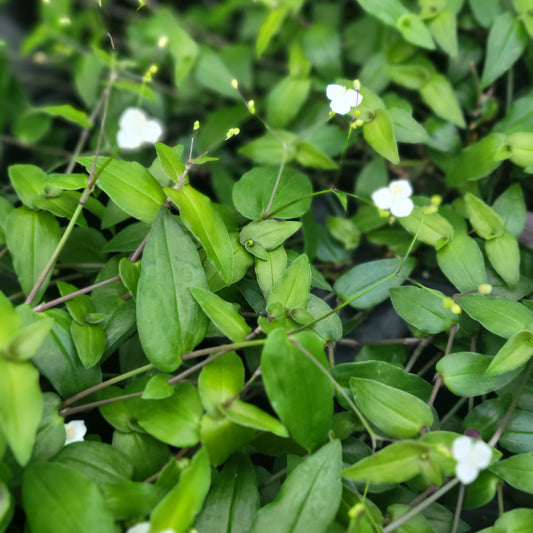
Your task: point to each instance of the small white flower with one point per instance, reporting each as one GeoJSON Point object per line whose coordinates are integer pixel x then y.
{"type": "Point", "coordinates": [136, 129]}
{"type": "Point", "coordinates": [342, 99]}
{"type": "Point", "coordinates": [395, 198]}
{"type": "Point", "coordinates": [141, 527]}
{"type": "Point", "coordinates": [472, 456]}
{"type": "Point", "coordinates": [76, 430]}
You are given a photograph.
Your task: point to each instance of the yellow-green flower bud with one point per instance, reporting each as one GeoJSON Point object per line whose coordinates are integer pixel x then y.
{"type": "Point", "coordinates": [430, 209]}
{"type": "Point", "coordinates": [456, 309]}
{"type": "Point", "coordinates": [485, 288]}
{"type": "Point", "coordinates": [234, 83]}
{"type": "Point", "coordinates": [448, 302]}
{"type": "Point", "coordinates": [436, 199]}
{"type": "Point", "coordinates": [196, 125]}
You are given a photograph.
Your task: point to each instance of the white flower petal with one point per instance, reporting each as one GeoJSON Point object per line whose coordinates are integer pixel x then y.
{"type": "Point", "coordinates": [129, 139]}
{"type": "Point", "coordinates": [153, 131]}
{"type": "Point", "coordinates": [402, 207]}
{"type": "Point", "coordinates": [334, 91]}
{"type": "Point", "coordinates": [466, 472]}
{"type": "Point", "coordinates": [461, 448]}
{"type": "Point", "coordinates": [353, 98]}
{"type": "Point", "coordinates": [340, 106]}
{"type": "Point", "coordinates": [400, 189]}
{"type": "Point", "coordinates": [482, 453]}
{"type": "Point", "coordinates": [132, 117]}
{"type": "Point", "coordinates": [141, 527]}
{"type": "Point", "coordinates": [76, 430]}
{"type": "Point", "coordinates": [382, 198]}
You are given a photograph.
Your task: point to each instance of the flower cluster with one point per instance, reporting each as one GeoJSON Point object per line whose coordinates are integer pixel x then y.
{"type": "Point", "coordinates": [136, 129]}
{"type": "Point", "coordinates": [342, 99]}
{"type": "Point", "coordinates": [472, 456]}
{"type": "Point", "coordinates": [395, 198]}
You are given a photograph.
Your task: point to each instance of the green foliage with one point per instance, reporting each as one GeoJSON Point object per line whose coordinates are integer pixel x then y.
{"type": "Point", "coordinates": [244, 287]}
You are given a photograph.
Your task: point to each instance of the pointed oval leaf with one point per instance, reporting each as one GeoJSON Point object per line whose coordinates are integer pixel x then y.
{"type": "Point", "coordinates": [395, 412]}
{"type": "Point", "coordinates": [269, 234]}
{"type": "Point", "coordinates": [517, 471]}
{"type": "Point", "coordinates": [369, 284]}
{"type": "Point", "coordinates": [170, 159]}
{"type": "Point", "coordinates": [223, 314]}
{"type": "Point", "coordinates": [511, 207]}
{"type": "Point", "coordinates": [464, 373]}
{"type": "Point", "coordinates": [438, 94]}
{"type": "Point", "coordinates": [220, 381]}
{"type": "Point", "coordinates": [289, 374]}
{"type": "Point", "coordinates": [21, 406]}
{"type": "Point", "coordinates": [379, 134]}
{"type": "Point", "coordinates": [32, 237]}
{"type": "Point", "coordinates": [422, 309]}
{"type": "Point", "coordinates": [504, 255]}
{"type": "Point", "coordinates": [233, 500]}
{"type": "Point", "coordinates": [269, 270]}
{"type": "Point", "coordinates": [253, 192]}
{"type": "Point", "coordinates": [483, 218]}
{"type": "Point", "coordinates": [129, 185]}
{"type": "Point", "coordinates": [396, 463]}
{"type": "Point", "coordinates": [415, 31]}
{"type": "Point", "coordinates": [310, 497]}
{"type": "Point", "coordinates": [513, 354]}
{"type": "Point", "coordinates": [506, 42]}
{"type": "Point", "coordinates": [207, 225]}
{"type": "Point", "coordinates": [58, 499]}
{"type": "Point", "coordinates": [170, 321]}
{"type": "Point", "coordinates": [180, 506]}
{"type": "Point", "coordinates": [292, 288]}
{"type": "Point", "coordinates": [461, 261]}
{"type": "Point", "coordinates": [90, 341]}
{"type": "Point", "coordinates": [432, 228]}
{"type": "Point", "coordinates": [500, 316]}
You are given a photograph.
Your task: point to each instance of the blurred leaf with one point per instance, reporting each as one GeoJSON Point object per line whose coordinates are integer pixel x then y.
{"type": "Point", "coordinates": [438, 94]}
{"type": "Point", "coordinates": [415, 31]}
{"type": "Point", "coordinates": [379, 133]}
{"type": "Point", "coordinates": [58, 499]}
{"type": "Point", "coordinates": [443, 27]}
{"type": "Point", "coordinates": [308, 500]}
{"type": "Point", "coordinates": [388, 11]}
{"type": "Point", "coordinates": [269, 28]}
{"type": "Point", "coordinates": [513, 354]}
{"type": "Point", "coordinates": [68, 113]}
{"type": "Point", "coordinates": [506, 42]}
{"type": "Point", "coordinates": [511, 207]}
{"type": "Point", "coordinates": [286, 99]}
{"type": "Point", "coordinates": [504, 256]}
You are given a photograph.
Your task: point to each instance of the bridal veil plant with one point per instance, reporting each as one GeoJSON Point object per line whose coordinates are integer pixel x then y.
{"type": "Point", "coordinates": [266, 266]}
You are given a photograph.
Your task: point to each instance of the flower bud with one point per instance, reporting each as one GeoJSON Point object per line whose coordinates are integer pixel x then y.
{"type": "Point", "coordinates": [456, 309]}
{"type": "Point", "coordinates": [234, 83]}
{"type": "Point", "coordinates": [485, 288]}
{"type": "Point", "coordinates": [448, 302]}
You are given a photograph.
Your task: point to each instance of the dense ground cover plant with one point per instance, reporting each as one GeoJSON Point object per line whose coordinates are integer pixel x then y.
{"type": "Point", "coordinates": [266, 267]}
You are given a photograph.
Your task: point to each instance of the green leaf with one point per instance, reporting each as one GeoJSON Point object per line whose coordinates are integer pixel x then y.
{"type": "Point", "coordinates": [269, 270]}
{"type": "Point", "coordinates": [485, 12]}
{"type": "Point", "coordinates": [158, 388]}
{"type": "Point", "coordinates": [129, 275]}
{"type": "Point", "coordinates": [478, 160]}
{"type": "Point", "coordinates": [517, 521]}
{"type": "Point", "coordinates": [269, 28]}
{"type": "Point", "coordinates": [443, 27]}
{"type": "Point", "coordinates": [513, 354]}
{"type": "Point", "coordinates": [170, 159]}
{"type": "Point", "coordinates": [511, 207]}
{"type": "Point", "coordinates": [170, 322]}
{"type": "Point", "coordinates": [517, 471]}
{"type": "Point", "coordinates": [289, 374]}
{"type": "Point", "coordinates": [308, 500]}
{"type": "Point", "coordinates": [216, 74]}
{"type": "Point", "coordinates": [308, 155]}
{"type": "Point", "coordinates": [253, 192]}
{"type": "Point", "coordinates": [379, 134]}
{"type": "Point", "coordinates": [220, 381]}
{"type": "Point", "coordinates": [388, 11]}
{"type": "Point", "coordinates": [129, 185]}
{"type": "Point", "coordinates": [58, 499]}
{"type": "Point", "coordinates": [422, 309]}
{"type": "Point", "coordinates": [174, 420]}
{"type": "Point", "coordinates": [438, 94]}
{"type": "Point", "coordinates": [485, 221]}
{"type": "Point", "coordinates": [521, 150]}
{"type": "Point", "coordinates": [286, 99]}
{"type": "Point", "coordinates": [500, 316]}
{"type": "Point", "coordinates": [504, 256]}
{"type": "Point", "coordinates": [90, 341]}
{"type": "Point", "coordinates": [80, 306]}
{"type": "Point", "coordinates": [464, 373]}
{"type": "Point", "coordinates": [461, 261]}
{"type": "Point", "coordinates": [32, 237]}
{"type": "Point", "coordinates": [21, 405]}
{"type": "Point", "coordinates": [180, 506]}
{"type": "Point", "coordinates": [395, 412]}
{"type": "Point", "coordinates": [68, 113]}
{"type": "Point", "coordinates": [368, 284]}
{"type": "Point", "coordinates": [98, 461]}
{"type": "Point", "coordinates": [406, 128]}
{"type": "Point", "coordinates": [415, 31]}
{"type": "Point", "coordinates": [432, 228]}
{"type": "Point", "coordinates": [291, 290]}
{"type": "Point", "coordinates": [506, 42]}
{"type": "Point", "coordinates": [223, 314]}
{"type": "Point", "coordinates": [260, 237]}
{"type": "Point", "coordinates": [199, 214]}
{"type": "Point", "coordinates": [129, 500]}
{"type": "Point", "coordinates": [10, 322]}
{"type": "Point", "coordinates": [233, 500]}
{"type": "Point", "coordinates": [25, 342]}
{"type": "Point", "coordinates": [398, 462]}
{"type": "Point", "coordinates": [248, 415]}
